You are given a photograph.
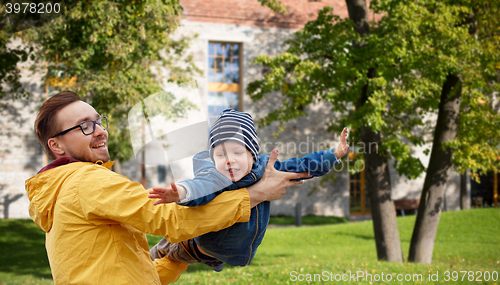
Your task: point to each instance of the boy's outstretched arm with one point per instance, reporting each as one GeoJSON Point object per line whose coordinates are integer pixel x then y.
{"type": "Point", "coordinates": [273, 183]}
{"type": "Point", "coordinates": [167, 195]}
{"type": "Point", "coordinates": [316, 163]}
{"type": "Point", "coordinates": [343, 147]}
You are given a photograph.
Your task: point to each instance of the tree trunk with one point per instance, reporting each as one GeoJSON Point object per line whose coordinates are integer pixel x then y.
{"type": "Point", "coordinates": [465, 191]}
{"type": "Point", "coordinates": [378, 178]}
{"type": "Point", "coordinates": [429, 210]}
{"type": "Point", "coordinates": [358, 13]}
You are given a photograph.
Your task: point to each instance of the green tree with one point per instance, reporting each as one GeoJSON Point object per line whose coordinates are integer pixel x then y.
{"type": "Point", "coordinates": [378, 177]}
{"type": "Point", "coordinates": [111, 52]}
{"type": "Point", "coordinates": [330, 60]}
{"type": "Point", "coordinates": [467, 66]}
{"type": "Point", "coordinates": [421, 59]}
{"type": "Point", "coordinates": [12, 50]}
{"type": "Point", "coordinates": [9, 58]}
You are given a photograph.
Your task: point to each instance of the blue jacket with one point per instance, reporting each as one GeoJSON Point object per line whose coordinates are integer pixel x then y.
{"type": "Point", "coordinates": [237, 244]}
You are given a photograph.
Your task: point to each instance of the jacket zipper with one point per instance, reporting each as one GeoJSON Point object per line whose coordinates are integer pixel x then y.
{"type": "Point", "coordinates": [254, 176]}
{"type": "Point", "coordinates": [256, 231]}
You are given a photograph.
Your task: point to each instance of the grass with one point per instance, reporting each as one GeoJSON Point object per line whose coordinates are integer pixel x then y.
{"type": "Point", "coordinates": [466, 240]}
{"type": "Point", "coordinates": [307, 220]}
{"type": "Point", "coordinates": [23, 256]}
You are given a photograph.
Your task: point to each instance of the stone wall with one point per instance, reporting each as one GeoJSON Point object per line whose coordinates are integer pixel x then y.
{"type": "Point", "coordinates": [21, 156]}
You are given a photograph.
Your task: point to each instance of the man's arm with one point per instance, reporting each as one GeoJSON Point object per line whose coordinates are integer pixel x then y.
{"type": "Point", "coordinates": [273, 184]}
{"type": "Point", "coordinates": [106, 197]}
{"type": "Point", "coordinates": [208, 182]}
{"type": "Point", "coordinates": [203, 188]}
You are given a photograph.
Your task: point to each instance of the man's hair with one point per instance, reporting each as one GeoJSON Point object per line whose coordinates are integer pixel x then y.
{"type": "Point", "coordinates": [45, 123]}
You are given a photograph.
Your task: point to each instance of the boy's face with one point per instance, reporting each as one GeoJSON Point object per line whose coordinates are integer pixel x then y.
{"type": "Point", "coordinates": [233, 160]}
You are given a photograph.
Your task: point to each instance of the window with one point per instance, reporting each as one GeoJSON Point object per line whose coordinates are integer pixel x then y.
{"type": "Point", "coordinates": [359, 198]}
{"type": "Point", "coordinates": [224, 77]}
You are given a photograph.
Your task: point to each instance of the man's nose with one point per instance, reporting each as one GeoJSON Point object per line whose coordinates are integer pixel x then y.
{"type": "Point", "coordinates": [99, 130]}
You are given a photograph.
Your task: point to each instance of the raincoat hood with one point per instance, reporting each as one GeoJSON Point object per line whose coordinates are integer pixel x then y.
{"type": "Point", "coordinates": [44, 187]}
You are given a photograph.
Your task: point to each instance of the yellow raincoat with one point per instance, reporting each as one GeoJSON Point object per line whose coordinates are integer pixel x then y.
{"type": "Point", "coordinates": [96, 222]}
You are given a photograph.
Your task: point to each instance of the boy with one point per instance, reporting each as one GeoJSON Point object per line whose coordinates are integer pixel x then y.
{"type": "Point", "coordinates": [234, 153]}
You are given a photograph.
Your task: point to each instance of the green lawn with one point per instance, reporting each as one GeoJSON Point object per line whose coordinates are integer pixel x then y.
{"type": "Point", "coordinates": [466, 241]}
{"type": "Point", "coordinates": [307, 220]}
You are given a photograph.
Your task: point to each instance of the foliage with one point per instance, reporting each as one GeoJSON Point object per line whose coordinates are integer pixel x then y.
{"type": "Point", "coordinates": [112, 54]}
{"type": "Point", "coordinates": [476, 147]}
{"type": "Point", "coordinates": [275, 5]}
{"type": "Point", "coordinates": [413, 48]}
{"type": "Point", "coordinates": [12, 50]}
{"type": "Point", "coordinates": [10, 56]}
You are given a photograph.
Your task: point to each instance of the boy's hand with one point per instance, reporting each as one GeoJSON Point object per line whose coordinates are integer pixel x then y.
{"type": "Point", "coordinates": [166, 195]}
{"type": "Point", "coordinates": [343, 147]}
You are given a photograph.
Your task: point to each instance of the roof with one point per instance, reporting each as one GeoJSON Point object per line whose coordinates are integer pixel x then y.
{"type": "Point", "coordinates": [252, 13]}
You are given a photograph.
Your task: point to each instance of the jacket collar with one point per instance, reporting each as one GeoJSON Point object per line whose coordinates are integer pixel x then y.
{"type": "Point", "coordinates": [67, 160]}
{"type": "Point", "coordinates": [58, 162]}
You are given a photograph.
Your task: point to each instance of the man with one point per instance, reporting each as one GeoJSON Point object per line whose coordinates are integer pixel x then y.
{"type": "Point", "coordinates": [95, 219]}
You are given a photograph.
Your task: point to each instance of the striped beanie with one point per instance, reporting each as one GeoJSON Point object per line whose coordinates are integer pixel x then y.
{"type": "Point", "coordinates": [234, 126]}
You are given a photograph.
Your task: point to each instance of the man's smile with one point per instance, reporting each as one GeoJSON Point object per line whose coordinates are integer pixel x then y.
{"type": "Point", "coordinates": [99, 145]}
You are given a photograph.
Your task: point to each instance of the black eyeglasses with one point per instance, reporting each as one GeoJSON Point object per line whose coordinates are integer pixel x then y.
{"type": "Point", "coordinates": [87, 127]}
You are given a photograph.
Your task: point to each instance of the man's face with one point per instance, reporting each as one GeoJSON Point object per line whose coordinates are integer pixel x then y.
{"type": "Point", "coordinates": [88, 148]}
{"type": "Point", "coordinates": [233, 160]}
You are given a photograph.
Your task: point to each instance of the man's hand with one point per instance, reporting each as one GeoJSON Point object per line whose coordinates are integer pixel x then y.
{"type": "Point", "coordinates": [343, 147]}
{"type": "Point", "coordinates": [166, 195]}
{"type": "Point", "coordinates": [273, 183]}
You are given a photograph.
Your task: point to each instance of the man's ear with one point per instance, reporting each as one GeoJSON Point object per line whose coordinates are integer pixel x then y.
{"type": "Point", "coordinates": [55, 147]}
